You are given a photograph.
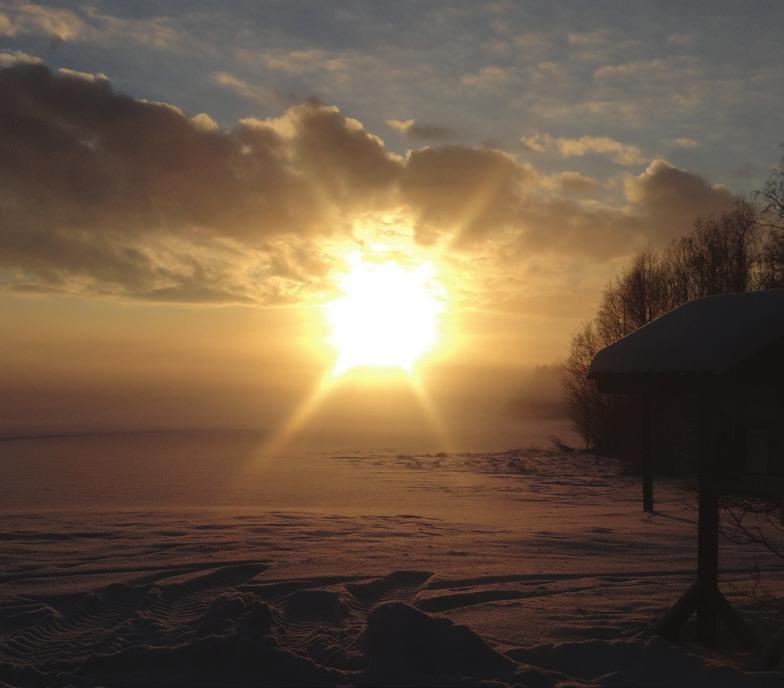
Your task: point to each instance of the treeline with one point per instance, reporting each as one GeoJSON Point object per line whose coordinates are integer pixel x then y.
{"type": "Point", "coordinates": [740, 250]}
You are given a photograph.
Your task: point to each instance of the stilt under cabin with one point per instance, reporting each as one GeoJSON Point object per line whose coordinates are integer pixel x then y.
{"type": "Point", "coordinates": [727, 353]}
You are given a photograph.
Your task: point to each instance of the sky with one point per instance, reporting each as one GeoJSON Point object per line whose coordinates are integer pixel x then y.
{"type": "Point", "coordinates": [184, 185]}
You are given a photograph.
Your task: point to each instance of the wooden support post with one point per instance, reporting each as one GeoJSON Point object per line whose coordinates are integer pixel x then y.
{"type": "Point", "coordinates": [771, 653]}
{"type": "Point", "coordinates": [704, 595]}
{"type": "Point", "coordinates": [708, 525]}
{"type": "Point", "coordinates": [669, 626]}
{"type": "Point", "coordinates": [734, 621]}
{"type": "Point", "coordinates": [647, 462]}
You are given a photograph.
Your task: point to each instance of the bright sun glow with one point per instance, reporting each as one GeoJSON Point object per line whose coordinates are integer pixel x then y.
{"type": "Point", "coordinates": [387, 315]}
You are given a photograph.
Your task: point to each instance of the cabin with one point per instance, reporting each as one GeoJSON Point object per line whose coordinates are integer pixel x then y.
{"type": "Point", "coordinates": [728, 352]}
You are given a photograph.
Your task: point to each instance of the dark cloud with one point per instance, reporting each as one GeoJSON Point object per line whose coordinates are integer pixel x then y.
{"type": "Point", "coordinates": [101, 193]}
{"type": "Point", "coordinates": [342, 158]}
{"type": "Point", "coordinates": [109, 193]}
{"type": "Point", "coordinates": [670, 199]}
{"type": "Point", "coordinates": [564, 227]}
{"type": "Point", "coordinates": [664, 202]}
{"type": "Point", "coordinates": [92, 160]}
{"type": "Point", "coordinates": [470, 193]}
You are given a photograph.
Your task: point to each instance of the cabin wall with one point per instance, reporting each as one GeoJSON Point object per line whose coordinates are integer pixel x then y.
{"type": "Point", "coordinates": [750, 433]}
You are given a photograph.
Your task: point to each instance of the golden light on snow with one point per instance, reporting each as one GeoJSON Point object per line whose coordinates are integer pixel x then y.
{"type": "Point", "coordinates": [386, 316]}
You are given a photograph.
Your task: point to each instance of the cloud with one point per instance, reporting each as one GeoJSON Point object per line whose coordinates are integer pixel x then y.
{"type": "Point", "coordinates": [572, 182]}
{"type": "Point", "coordinates": [104, 194]}
{"type": "Point", "coordinates": [308, 60]}
{"type": "Point", "coordinates": [590, 47]}
{"type": "Point", "coordinates": [7, 27]}
{"type": "Point", "coordinates": [489, 76]}
{"type": "Point", "coordinates": [682, 40]}
{"type": "Point", "coordinates": [88, 24]}
{"type": "Point", "coordinates": [588, 38]}
{"type": "Point", "coordinates": [85, 76]}
{"type": "Point", "coordinates": [204, 122]}
{"type": "Point", "coordinates": [153, 32]}
{"type": "Point", "coordinates": [682, 142]}
{"type": "Point", "coordinates": [673, 83]}
{"type": "Point", "coordinates": [28, 17]}
{"type": "Point", "coordinates": [258, 94]}
{"type": "Point", "coordinates": [671, 198]}
{"type": "Point", "coordinates": [10, 58]}
{"type": "Point", "coordinates": [107, 194]}
{"type": "Point", "coordinates": [401, 125]}
{"type": "Point", "coordinates": [319, 70]}
{"type": "Point", "coordinates": [533, 40]}
{"type": "Point", "coordinates": [621, 153]}
{"type": "Point", "coordinates": [560, 227]}
{"type": "Point", "coordinates": [347, 167]}
{"type": "Point", "coordinates": [468, 193]}
{"type": "Point", "coordinates": [657, 68]}
{"type": "Point", "coordinates": [421, 132]}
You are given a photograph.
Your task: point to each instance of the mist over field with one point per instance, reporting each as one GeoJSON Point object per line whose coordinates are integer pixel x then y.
{"type": "Point", "coordinates": [337, 344]}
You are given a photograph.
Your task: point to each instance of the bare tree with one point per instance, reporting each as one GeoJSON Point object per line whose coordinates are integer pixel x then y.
{"type": "Point", "coordinates": [772, 196]}
{"type": "Point", "coordinates": [772, 221]}
{"type": "Point", "coordinates": [772, 261]}
{"type": "Point", "coordinates": [721, 254]}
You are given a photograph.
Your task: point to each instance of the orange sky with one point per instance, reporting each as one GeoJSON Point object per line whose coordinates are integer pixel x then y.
{"type": "Point", "coordinates": [168, 245]}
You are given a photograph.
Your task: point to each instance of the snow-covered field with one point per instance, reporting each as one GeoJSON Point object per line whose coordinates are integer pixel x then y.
{"type": "Point", "coordinates": [193, 561]}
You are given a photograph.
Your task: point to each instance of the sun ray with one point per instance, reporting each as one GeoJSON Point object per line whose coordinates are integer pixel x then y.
{"type": "Point", "coordinates": [386, 317]}
{"type": "Point", "coordinates": [299, 417]}
{"type": "Point", "coordinates": [430, 410]}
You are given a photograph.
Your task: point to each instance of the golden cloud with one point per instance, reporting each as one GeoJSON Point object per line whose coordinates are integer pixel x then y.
{"type": "Point", "coordinates": [109, 195]}
{"type": "Point", "coordinates": [621, 153]}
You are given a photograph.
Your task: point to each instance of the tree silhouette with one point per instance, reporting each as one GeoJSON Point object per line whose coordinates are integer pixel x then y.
{"type": "Point", "coordinates": [724, 253]}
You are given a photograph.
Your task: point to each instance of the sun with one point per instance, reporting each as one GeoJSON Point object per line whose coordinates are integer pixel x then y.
{"type": "Point", "coordinates": [386, 317]}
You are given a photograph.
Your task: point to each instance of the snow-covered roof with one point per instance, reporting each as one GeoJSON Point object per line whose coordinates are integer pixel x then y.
{"type": "Point", "coordinates": [707, 336]}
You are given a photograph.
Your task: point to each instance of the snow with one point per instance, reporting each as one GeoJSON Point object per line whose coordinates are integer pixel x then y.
{"type": "Point", "coordinates": [528, 567]}
{"type": "Point", "coordinates": [709, 335]}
